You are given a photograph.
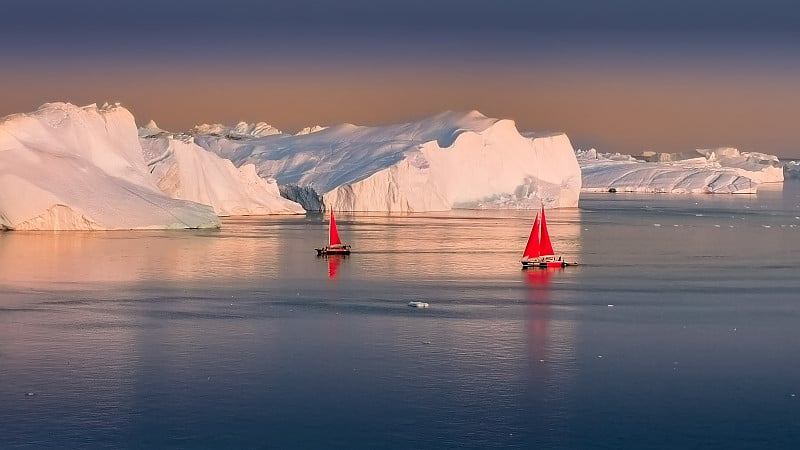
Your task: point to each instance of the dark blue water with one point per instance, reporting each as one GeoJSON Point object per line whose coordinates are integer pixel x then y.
{"type": "Point", "coordinates": [679, 330]}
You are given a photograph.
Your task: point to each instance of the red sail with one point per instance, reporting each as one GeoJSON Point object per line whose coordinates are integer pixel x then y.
{"type": "Point", "coordinates": [532, 249]}
{"type": "Point", "coordinates": [546, 245]}
{"type": "Point", "coordinates": [333, 238]}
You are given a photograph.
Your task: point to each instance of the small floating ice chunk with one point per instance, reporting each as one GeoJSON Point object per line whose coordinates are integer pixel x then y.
{"type": "Point", "coordinates": [418, 304]}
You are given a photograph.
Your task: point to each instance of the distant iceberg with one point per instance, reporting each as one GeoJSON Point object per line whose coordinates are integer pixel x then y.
{"type": "Point", "coordinates": [451, 160]}
{"type": "Point", "coordinates": [791, 169]}
{"type": "Point", "coordinates": [241, 130]}
{"type": "Point", "coordinates": [64, 167]}
{"type": "Point", "coordinates": [721, 170]}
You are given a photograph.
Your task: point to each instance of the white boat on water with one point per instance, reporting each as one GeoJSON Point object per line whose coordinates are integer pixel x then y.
{"type": "Point", "coordinates": [418, 304]}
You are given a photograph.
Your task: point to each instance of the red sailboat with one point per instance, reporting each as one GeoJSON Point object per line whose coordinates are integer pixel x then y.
{"type": "Point", "coordinates": [335, 245]}
{"type": "Point", "coordinates": [539, 250]}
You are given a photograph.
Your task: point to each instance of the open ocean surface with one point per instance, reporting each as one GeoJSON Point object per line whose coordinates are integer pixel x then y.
{"type": "Point", "coordinates": [681, 329]}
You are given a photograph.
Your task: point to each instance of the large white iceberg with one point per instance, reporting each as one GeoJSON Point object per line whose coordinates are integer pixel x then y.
{"type": "Point", "coordinates": [64, 167]}
{"type": "Point", "coordinates": [721, 170]}
{"type": "Point", "coordinates": [451, 160]}
{"type": "Point", "coordinates": [183, 170]}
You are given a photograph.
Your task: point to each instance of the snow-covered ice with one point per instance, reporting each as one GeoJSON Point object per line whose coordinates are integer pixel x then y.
{"type": "Point", "coordinates": [69, 167]}
{"type": "Point", "coordinates": [722, 170]}
{"type": "Point", "coordinates": [183, 170]}
{"type": "Point", "coordinates": [451, 160]}
{"type": "Point", "coordinates": [418, 304]}
{"type": "Point", "coordinates": [65, 167]}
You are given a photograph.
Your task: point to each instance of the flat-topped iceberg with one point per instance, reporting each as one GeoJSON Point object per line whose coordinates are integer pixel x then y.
{"type": "Point", "coordinates": [64, 167]}
{"type": "Point", "coordinates": [722, 170]}
{"type": "Point", "coordinates": [451, 160]}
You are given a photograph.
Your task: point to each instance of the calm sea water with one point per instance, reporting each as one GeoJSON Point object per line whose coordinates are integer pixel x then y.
{"type": "Point", "coordinates": [679, 330]}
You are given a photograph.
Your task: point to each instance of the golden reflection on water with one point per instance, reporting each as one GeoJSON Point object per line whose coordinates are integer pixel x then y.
{"type": "Point", "coordinates": [32, 258]}
{"type": "Point", "coordinates": [482, 244]}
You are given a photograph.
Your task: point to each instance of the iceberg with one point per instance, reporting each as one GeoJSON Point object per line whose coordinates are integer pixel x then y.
{"type": "Point", "coordinates": [451, 160]}
{"type": "Point", "coordinates": [181, 169]}
{"type": "Point", "coordinates": [65, 167]}
{"type": "Point", "coordinates": [241, 130]}
{"type": "Point", "coordinates": [791, 169]}
{"type": "Point", "coordinates": [721, 170]}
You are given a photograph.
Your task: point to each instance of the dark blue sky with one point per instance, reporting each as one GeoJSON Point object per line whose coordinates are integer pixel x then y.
{"type": "Point", "coordinates": [170, 25]}
{"type": "Point", "coordinates": [731, 17]}
{"type": "Point", "coordinates": [596, 69]}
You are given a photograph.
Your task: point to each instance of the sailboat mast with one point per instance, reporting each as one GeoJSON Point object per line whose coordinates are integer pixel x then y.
{"type": "Point", "coordinates": [330, 228]}
{"type": "Point", "coordinates": [545, 245]}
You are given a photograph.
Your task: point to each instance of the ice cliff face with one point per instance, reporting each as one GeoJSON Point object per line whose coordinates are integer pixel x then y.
{"type": "Point", "coordinates": [722, 170]}
{"type": "Point", "coordinates": [183, 170]}
{"type": "Point", "coordinates": [447, 161]}
{"type": "Point", "coordinates": [63, 167]}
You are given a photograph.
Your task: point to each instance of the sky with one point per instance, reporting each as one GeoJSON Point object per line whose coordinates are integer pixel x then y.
{"type": "Point", "coordinates": [616, 75]}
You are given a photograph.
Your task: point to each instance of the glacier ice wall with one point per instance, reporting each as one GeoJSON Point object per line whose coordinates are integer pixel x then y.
{"type": "Point", "coordinates": [449, 160]}
{"type": "Point", "coordinates": [65, 167]}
